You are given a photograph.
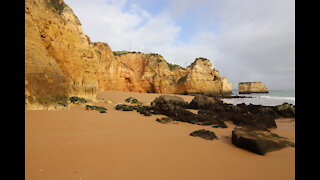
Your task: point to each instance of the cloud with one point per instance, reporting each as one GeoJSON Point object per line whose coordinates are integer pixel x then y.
{"type": "Point", "coordinates": [124, 26]}
{"type": "Point", "coordinates": [246, 40]}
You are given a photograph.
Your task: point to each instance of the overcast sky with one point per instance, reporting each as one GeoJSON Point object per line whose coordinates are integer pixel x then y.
{"type": "Point", "coordinates": [246, 40]}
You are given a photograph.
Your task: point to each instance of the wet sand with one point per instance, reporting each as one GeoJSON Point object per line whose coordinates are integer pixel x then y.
{"type": "Point", "coordinates": [88, 145]}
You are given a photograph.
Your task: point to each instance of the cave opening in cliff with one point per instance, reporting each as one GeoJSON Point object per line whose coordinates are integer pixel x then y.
{"type": "Point", "coordinates": [128, 83]}
{"type": "Point", "coordinates": [127, 80]}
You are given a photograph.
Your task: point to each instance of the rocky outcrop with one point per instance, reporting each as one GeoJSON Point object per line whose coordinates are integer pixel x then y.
{"type": "Point", "coordinates": [286, 110]}
{"type": "Point", "coordinates": [202, 78]}
{"type": "Point", "coordinates": [156, 75]}
{"type": "Point", "coordinates": [257, 141]}
{"type": "Point", "coordinates": [257, 116]}
{"type": "Point", "coordinates": [60, 59]}
{"type": "Point", "coordinates": [252, 87]}
{"type": "Point", "coordinates": [205, 134]}
{"type": "Point", "coordinates": [202, 102]}
{"type": "Point", "coordinates": [61, 62]}
{"type": "Point", "coordinates": [242, 115]}
{"type": "Point", "coordinates": [175, 108]}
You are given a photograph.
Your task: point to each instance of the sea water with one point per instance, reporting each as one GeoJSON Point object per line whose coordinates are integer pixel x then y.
{"type": "Point", "coordinates": [273, 98]}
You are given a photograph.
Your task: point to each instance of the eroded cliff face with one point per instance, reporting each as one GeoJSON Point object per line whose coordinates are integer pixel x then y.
{"type": "Point", "coordinates": [61, 61]}
{"type": "Point", "coordinates": [252, 87]}
{"type": "Point", "coordinates": [153, 74]}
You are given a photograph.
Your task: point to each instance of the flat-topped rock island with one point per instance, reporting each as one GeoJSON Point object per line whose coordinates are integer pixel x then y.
{"type": "Point", "coordinates": [252, 87]}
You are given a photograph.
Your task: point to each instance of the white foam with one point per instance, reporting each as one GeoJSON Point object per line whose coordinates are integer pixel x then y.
{"type": "Point", "coordinates": [278, 97]}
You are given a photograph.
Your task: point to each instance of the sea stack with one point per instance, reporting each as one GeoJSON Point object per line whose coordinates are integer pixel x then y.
{"type": "Point", "coordinates": [252, 87]}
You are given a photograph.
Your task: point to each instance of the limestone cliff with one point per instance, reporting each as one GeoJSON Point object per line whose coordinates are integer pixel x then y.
{"type": "Point", "coordinates": [61, 61]}
{"type": "Point", "coordinates": [252, 87]}
{"type": "Point", "coordinates": [154, 74]}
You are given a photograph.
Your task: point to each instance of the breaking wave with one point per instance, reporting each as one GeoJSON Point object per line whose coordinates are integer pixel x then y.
{"type": "Point", "coordinates": [278, 97]}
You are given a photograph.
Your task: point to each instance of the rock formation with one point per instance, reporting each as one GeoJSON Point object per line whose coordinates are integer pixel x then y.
{"type": "Point", "coordinates": [258, 116]}
{"type": "Point", "coordinates": [61, 61]}
{"type": "Point", "coordinates": [176, 108]}
{"type": "Point", "coordinates": [257, 141]}
{"type": "Point", "coordinates": [154, 74]}
{"type": "Point", "coordinates": [252, 87]}
{"type": "Point", "coordinates": [205, 134]}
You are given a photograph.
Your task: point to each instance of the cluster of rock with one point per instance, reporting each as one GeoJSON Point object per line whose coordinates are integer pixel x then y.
{"type": "Point", "coordinates": [176, 108]}
{"type": "Point", "coordinates": [253, 120]}
{"type": "Point", "coordinates": [252, 87]}
{"type": "Point", "coordinates": [144, 110]}
{"type": "Point", "coordinates": [213, 111]}
{"type": "Point", "coordinates": [61, 61]}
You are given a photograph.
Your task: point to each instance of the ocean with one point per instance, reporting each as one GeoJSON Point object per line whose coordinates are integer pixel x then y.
{"type": "Point", "coordinates": [273, 98]}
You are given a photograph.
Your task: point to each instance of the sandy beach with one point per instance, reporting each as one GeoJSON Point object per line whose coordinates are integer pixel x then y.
{"type": "Point", "coordinates": [76, 144]}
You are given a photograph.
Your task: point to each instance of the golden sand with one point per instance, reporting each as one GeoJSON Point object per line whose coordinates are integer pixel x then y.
{"type": "Point", "coordinates": [77, 144]}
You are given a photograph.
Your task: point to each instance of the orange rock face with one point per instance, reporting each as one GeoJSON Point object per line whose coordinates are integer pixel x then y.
{"type": "Point", "coordinates": [252, 87]}
{"type": "Point", "coordinates": [61, 61]}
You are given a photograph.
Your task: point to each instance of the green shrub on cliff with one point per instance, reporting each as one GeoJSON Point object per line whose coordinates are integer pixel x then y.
{"type": "Point", "coordinates": [173, 66]}
{"type": "Point", "coordinates": [56, 5]}
{"type": "Point", "coordinates": [119, 53]}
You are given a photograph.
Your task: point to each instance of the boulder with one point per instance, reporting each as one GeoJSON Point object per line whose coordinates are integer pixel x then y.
{"type": "Point", "coordinates": [202, 102]}
{"type": "Point", "coordinates": [285, 110]}
{"type": "Point", "coordinates": [164, 120]}
{"type": "Point", "coordinates": [131, 100]}
{"type": "Point", "coordinates": [205, 134]}
{"type": "Point", "coordinates": [166, 100]}
{"type": "Point", "coordinates": [258, 141]}
{"type": "Point", "coordinates": [123, 107]}
{"type": "Point", "coordinates": [97, 108]}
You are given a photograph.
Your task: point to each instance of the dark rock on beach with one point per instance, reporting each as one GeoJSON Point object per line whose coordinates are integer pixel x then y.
{"type": "Point", "coordinates": [97, 108]}
{"type": "Point", "coordinates": [258, 141]}
{"type": "Point", "coordinates": [169, 100]}
{"type": "Point", "coordinates": [77, 100]}
{"type": "Point", "coordinates": [175, 107]}
{"type": "Point", "coordinates": [123, 107]}
{"type": "Point", "coordinates": [253, 115]}
{"type": "Point", "coordinates": [164, 120]}
{"type": "Point", "coordinates": [201, 102]}
{"type": "Point", "coordinates": [213, 111]}
{"type": "Point", "coordinates": [285, 110]}
{"type": "Point", "coordinates": [205, 134]}
{"type": "Point", "coordinates": [144, 110]}
{"type": "Point", "coordinates": [131, 100]}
